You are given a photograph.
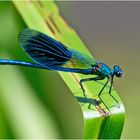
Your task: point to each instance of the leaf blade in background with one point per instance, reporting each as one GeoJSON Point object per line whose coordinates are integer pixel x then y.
{"type": "Point", "coordinates": [48, 20]}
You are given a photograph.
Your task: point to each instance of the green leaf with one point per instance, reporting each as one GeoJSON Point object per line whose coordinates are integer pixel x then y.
{"type": "Point", "coordinates": [22, 114]}
{"type": "Point", "coordinates": [44, 16]}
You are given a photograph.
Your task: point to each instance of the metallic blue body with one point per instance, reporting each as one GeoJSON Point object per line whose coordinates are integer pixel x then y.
{"type": "Point", "coordinates": [50, 54]}
{"type": "Point", "coordinates": [20, 63]}
{"type": "Point", "coordinates": [105, 71]}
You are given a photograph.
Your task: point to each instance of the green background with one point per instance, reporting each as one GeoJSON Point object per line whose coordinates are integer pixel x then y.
{"type": "Point", "coordinates": [111, 32]}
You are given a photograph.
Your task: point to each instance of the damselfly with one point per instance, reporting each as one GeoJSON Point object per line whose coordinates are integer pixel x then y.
{"type": "Point", "coordinates": [50, 54]}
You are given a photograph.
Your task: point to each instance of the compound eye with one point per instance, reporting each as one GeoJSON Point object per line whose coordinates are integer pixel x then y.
{"type": "Point", "coordinates": [119, 74]}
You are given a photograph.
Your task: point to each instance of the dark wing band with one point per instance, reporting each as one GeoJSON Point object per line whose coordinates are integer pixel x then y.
{"type": "Point", "coordinates": [52, 54]}
{"type": "Point", "coordinates": [43, 49]}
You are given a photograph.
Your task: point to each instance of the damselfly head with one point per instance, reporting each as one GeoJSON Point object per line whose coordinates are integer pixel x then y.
{"type": "Point", "coordinates": [117, 71]}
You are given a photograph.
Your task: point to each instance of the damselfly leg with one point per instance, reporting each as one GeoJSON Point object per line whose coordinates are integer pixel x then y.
{"type": "Point", "coordinates": [99, 94]}
{"type": "Point", "coordinates": [94, 79]}
{"type": "Point", "coordinates": [86, 80]}
{"type": "Point", "coordinates": [110, 89]}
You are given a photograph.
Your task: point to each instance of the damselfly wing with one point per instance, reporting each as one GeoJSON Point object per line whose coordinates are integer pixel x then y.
{"type": "Point", "coordinates": [52, 54]}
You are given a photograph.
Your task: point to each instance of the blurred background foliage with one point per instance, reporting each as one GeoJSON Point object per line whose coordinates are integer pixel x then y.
{"type": "Point", "coordinates": [27, 109]}
{"type": "Point", "coordinates": [34, 103]}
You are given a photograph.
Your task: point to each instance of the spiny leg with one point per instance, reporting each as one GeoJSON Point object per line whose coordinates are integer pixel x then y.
{"type": "Point", "coordinates": [111, 94]}
{"type": "Point", "coordinates": [103, 84]}
{"type": "Point", "coordinates": [89, 106]}
{"type": "Point", "coordinates": [86, 80]}
{"type": "Point", "coordinates": [101, 93]}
